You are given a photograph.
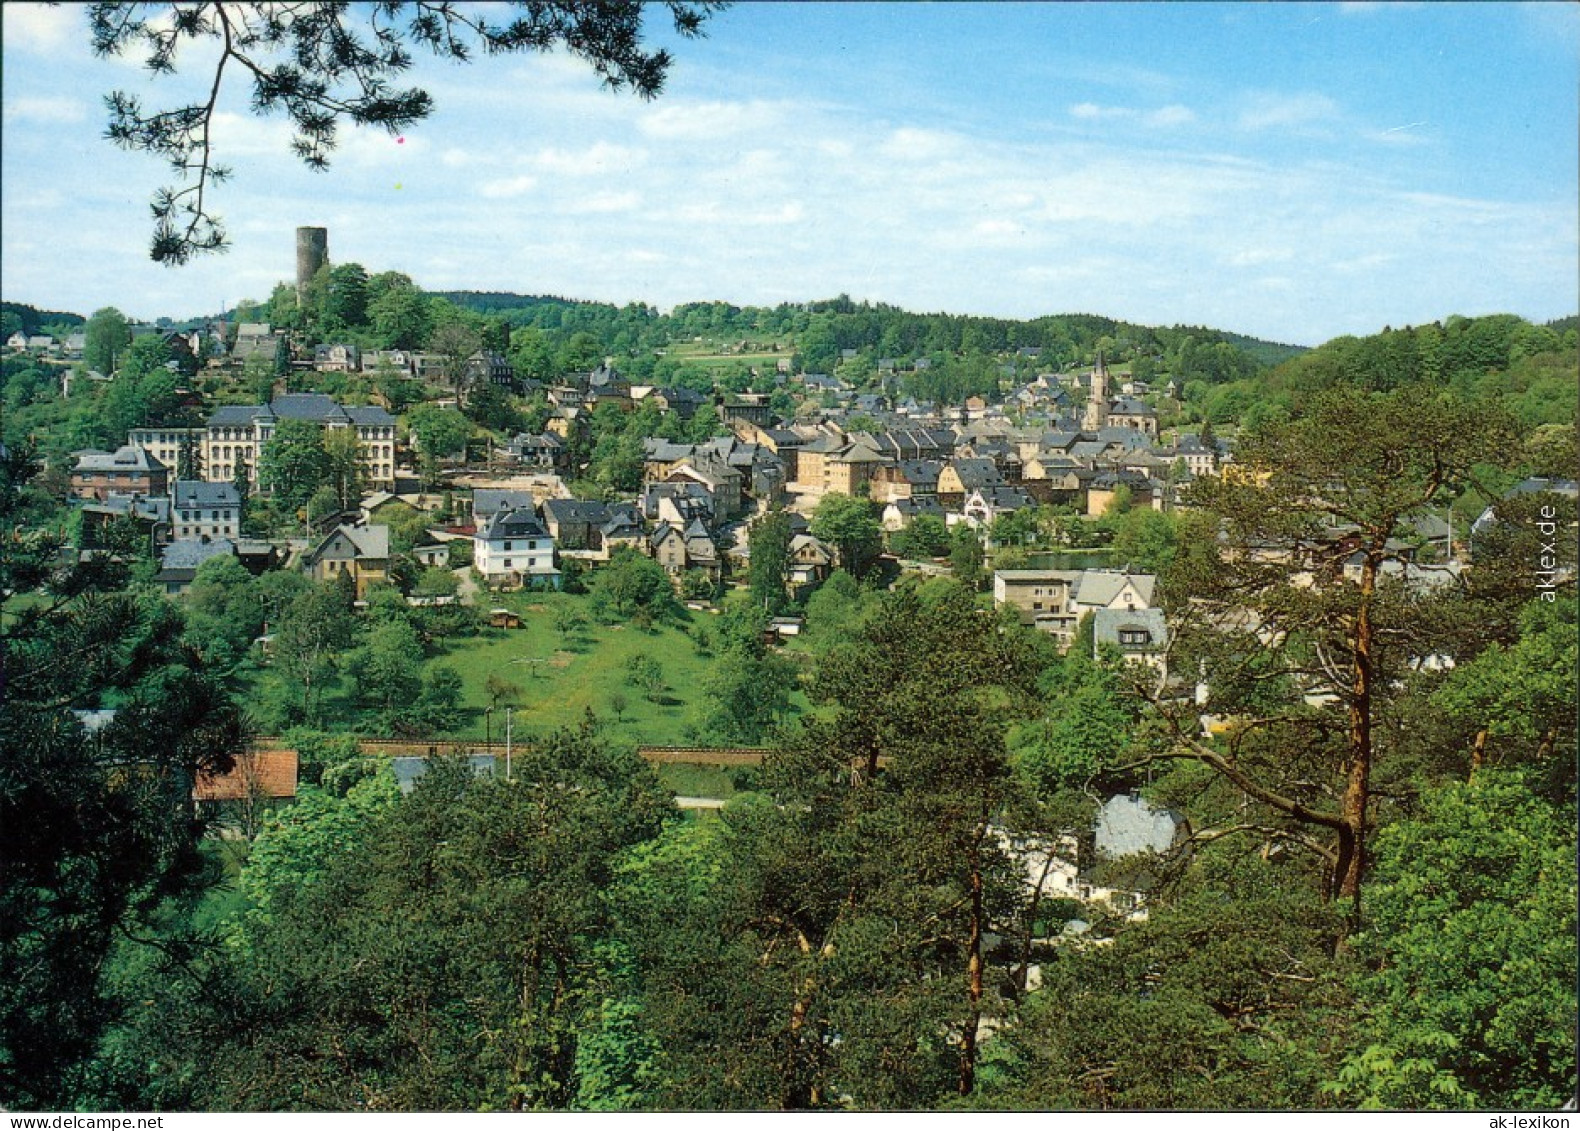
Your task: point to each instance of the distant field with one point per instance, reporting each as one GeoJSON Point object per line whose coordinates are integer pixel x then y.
{"type": "Point", "coordinates": [711, 355]}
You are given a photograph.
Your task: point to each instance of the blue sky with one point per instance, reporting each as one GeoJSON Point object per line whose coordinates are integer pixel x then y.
{"type": "Point", "coordinates": [1290, 171]}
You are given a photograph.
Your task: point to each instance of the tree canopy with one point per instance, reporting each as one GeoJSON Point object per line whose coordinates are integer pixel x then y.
{"type": "Point", "coordinates": [332, 64]}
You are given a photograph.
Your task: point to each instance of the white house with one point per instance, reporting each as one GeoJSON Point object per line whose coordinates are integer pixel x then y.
{"type": "Point", "coordinates": [205, 510]}
{"type": "Point", "coordinates": [514, 548]}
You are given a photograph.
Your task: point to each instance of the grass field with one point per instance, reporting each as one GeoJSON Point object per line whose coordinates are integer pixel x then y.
{"type": "Point", "coordinates": [561, 678]}
{"type": "Point", "coordinates": [708, 356]}
{"type": "Point", "coordinates": [558, 677]}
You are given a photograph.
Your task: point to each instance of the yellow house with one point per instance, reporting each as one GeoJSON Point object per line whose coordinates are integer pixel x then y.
{"type": "Point", "coordinates": [359, 552]}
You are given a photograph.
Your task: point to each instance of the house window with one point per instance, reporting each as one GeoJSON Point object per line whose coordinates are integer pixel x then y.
{"type": "Point", "coordinates": [508, 546]}
{"type": "Point", "coordinates": [507, 563]}
{"type": "Point", "coordinates": [1134, 637]}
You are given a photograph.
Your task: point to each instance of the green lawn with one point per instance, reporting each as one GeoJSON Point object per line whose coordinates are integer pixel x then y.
{"type": "Point", "coordinates": [708, 355]}
{"type": "Point", "coordinates": [561, 679]}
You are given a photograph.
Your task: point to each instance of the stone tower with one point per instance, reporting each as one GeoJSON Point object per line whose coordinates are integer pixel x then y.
{"type": "Point", "coordinates": [1096, 416]}
{"type": "Point", "coordinates": [312, 252]}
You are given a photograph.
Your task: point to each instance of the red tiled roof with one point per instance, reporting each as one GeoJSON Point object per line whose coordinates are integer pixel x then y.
{"type": "Point", "coordinates": [263, 773]}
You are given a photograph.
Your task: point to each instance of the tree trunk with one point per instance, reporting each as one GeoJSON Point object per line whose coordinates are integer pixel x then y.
{"type": "Point", "coordinates": [1478, 753]}
{"type": "Point", "coordinates": [1357, 790]}
{"type": "Point", "coordinates": [968, 1040]}
{"type": "Point", "coordinates": [800, 1092]}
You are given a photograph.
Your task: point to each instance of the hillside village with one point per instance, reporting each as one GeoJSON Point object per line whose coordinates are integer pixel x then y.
{"type": "Point", "coordinates": [1042, 461]}
{"type": "Point", "coordinates": [432, 561]}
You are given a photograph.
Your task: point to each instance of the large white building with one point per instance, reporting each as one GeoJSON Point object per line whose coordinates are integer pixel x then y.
{"type": "Point", "coordinates": [236, 434]}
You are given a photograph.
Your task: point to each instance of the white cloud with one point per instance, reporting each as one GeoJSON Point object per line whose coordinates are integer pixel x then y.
{"type": "Point", "coordinates": [599, 160]}
{"type": "Point", "coordinates": [1165, 117]}
{"type": "Point", "coordinates": [1259, 256]}
{"type": "Point", "coordinates": [606, 203]}
{"type": "Point", "coordinates": [40, 29]}
{"type": "Point", "coordinates": [1280, 111]}
{"type": "Point", "coordinates": [504, 189]}
{"type": "Point", "coordinates": [710, 121]}
{"type": "Point", "coordinates": [1406, 135]}
{"type": "Point", "coordinates": [1171, 116]}
{"type": "Point", "coordinates": [1091, 111]}
{"type": "Point", "coordinates": [48, 111]}
{"type": "Point", "coordinates": [911, 143]}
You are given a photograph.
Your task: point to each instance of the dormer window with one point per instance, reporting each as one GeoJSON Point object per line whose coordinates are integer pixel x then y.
{"type": "Point", "coordinates": [1134, 637]}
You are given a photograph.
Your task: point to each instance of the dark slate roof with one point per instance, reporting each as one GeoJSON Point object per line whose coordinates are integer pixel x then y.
{"type": "Point", "coordinates": [156, 509]}
{"type": "Point", "coordinates": [1107, 624]}
{"type": "Point", "coordinates": [524, 442]}
{"type": "Point", "coordinates": [368, 414]}
{"type": "Point", "coordinates": [409, 768]}
{"type": "Point", "coordinates": [317, 407]}
{"type": "Point", "coordinates": [920, 471]}
{"type": "Point", "coordinates": [1536, 486]}
{"type": "Point", "coordinates": [231, 415]}
{"type": "Point", "coordinates": [189, 553]}
{"type": "Point", "coordinates": [660, 532]}
{"type": "Point", "coordinates": [664, 451]}
{"type": "Point", "coordinates": [624, 519]}
{"type": "Point", "coordinates": [1107, 480]}
{"type": "Point", "coordinates": [679, 394]}
{"type": "Point", "coordinates": [1005, 498]}
{"type": "Point", "coordinates": [488, 501]}
{"type": "Point", "coordinates": [522, 523]}
{"type": "Point", "coordinates": [191, 493]}
{"type": "Point", "coordinates": [367, 542]}
{"type": "Point", "coordinates": [913, 507]}
{"type": "Point", "coordinates": [976, 474]}
{"type": "Point", "coordinates": [1129, 437]}
{"type": "Point", "coordinates": [306, 406]}
{"type": "Point", "coordinates": [128, 457]}
{"type": "Point", "coordinates": [564, 511]}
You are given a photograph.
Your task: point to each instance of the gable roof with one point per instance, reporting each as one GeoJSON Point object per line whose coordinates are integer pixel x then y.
{"type": "Point", "coordinates": [1128, 824]}
{"type": "Point", "coordinates": [975, 474]}
{"type": "Point", "coordinates": [196, 493]}
{"type": "Point", "coordinates": [263, 773]}
{"type": "Point", "coordinates": [1107, 624]}
{"type": "Point", "coordinates": [128, 457]}
{"type": "Point", "coordinates": [520, 523]}
{"type": "Point", "coordinates": [489, 501]}
{"type": "Point", "coordinates": [1099, 587]}
{"type": "Point", "coordinates": [370, 542]}
{"type": "Point", "coordinates": [189, 553]}
{"type": "Point", "coordinates": [564, 511]}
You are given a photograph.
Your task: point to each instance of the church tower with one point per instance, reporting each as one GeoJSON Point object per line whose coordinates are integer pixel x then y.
{"type": "Point", "coordinates": [1095, 418]}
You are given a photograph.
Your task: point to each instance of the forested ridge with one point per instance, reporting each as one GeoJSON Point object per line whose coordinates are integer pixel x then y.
{"type": "Point", "coordinates": [1372, 903]}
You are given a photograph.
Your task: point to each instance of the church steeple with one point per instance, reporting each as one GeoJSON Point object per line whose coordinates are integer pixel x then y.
{"type": "Point", "coordinates": [1095, 418]}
